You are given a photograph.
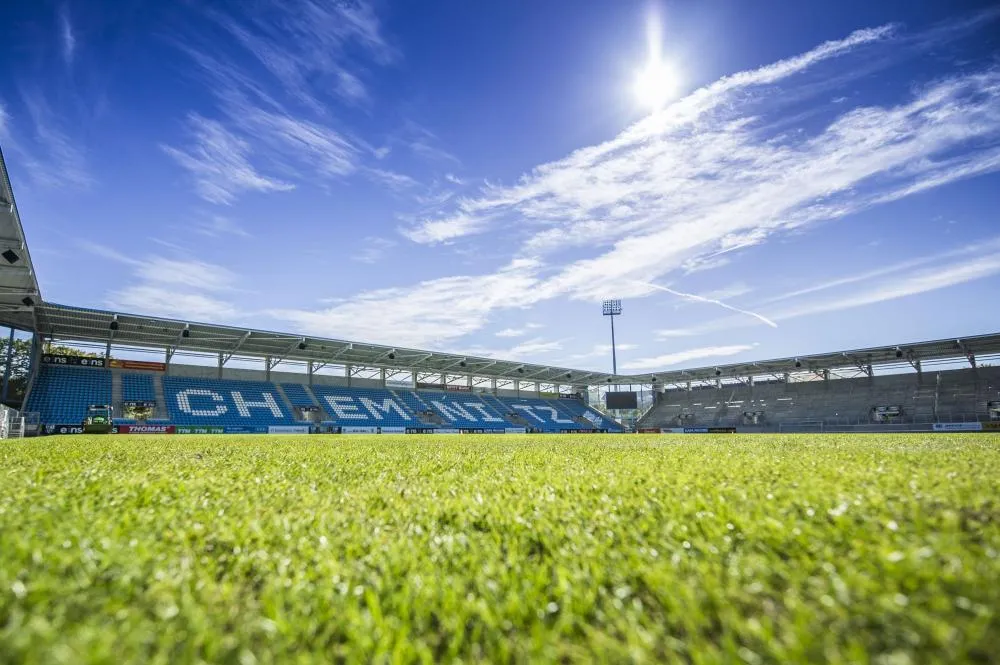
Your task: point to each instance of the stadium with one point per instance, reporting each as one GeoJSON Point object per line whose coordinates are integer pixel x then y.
{"type": "Point", "coordinates": [190, 491]}
{"type": "Point", "coordinates": [372, 388]}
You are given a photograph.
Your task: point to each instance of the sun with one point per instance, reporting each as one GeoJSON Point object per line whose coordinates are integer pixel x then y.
{"type": "Point", "coordinates": [656, 84]}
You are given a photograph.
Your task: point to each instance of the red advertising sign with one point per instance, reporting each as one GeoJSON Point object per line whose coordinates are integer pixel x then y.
{"type": "Point", "coordinates": [139, 364]}
{"type": "Point", "coordinates": [146, 429]}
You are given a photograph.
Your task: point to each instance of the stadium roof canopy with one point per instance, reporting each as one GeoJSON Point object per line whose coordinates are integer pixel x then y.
{"type": "Point", "coordinates": [18, 285]}
{"type": "Point", "coordinates": [77, 324]}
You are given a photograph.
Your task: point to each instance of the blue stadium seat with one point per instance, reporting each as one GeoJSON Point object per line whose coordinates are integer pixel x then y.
{"type": "Point", "coordinates": [225, 403]}
{"type": "Point", "coordinates": [297, 395]}
{"type": "Point", "coordinates": [365, 407]}
{"type": "Point", "coordinates": [138, 388]}
{"type": "Point", "coordinates": [61, 395]}
{"type": "Point", "coordinates": [464, 410]}
{"type": "Point", "coordinates": [545, 415]}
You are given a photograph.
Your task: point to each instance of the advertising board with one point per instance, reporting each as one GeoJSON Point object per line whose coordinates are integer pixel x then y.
{"type": "Point", "coordinates": [958, 427]}
{"type": "Point", "coordinates": [448, 430]}
{"type": "Point", "coordinates": [188, 429]}
{"type": "Point", "coordinates": [70, 429]}
{"type": "Point", "coordinates": [288, 429]}
{"type": "Point", "coordinates": [139, 364]}
{"type": "Point", "coordinates": [516, 430]}
{"type": "Point", "coordinates": [359, 430]}
{"type": "Point", "coordinates": [146, 429]}
{"type": "Point", "coordinates": [78, 361]}
{"type": "Point", "coordinates": [710, 430]}
{"type": "Point", "coordinates": [392, 430]}
{"type": "Point", "coordinates": [993, 426]}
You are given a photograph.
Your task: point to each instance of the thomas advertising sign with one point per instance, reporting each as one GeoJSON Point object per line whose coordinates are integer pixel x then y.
{"type": "Point", "coordinates": [146, 429]}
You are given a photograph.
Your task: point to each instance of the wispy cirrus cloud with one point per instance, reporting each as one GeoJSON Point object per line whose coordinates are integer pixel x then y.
{"type": "Point", "coordinates": [173, 287]}
{"type": "Point", "coordinates": [216, 226]}
{"type": "Point", "coordinates": [276, 107]}
{"type": "Point", "coordinates": [67, 39]}
{"type": "Point", "coordinates": [868, 287]}
{"type": "Point", "coordinates": [219, 163]}
{"type": "Point", "coordinates": [700, 179]}
{"type": "Point", "coordinates": [374, 250]}
{"type": "Point", "coordinates": [687, 355]}
{"type": "Point", "coordinates": [51, 156]}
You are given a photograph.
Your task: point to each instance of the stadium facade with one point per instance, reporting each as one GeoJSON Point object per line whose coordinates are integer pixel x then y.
{"type": "Point", "coordinates": [307, 383]}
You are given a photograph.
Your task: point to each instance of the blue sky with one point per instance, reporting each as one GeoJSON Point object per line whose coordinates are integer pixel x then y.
{"type": "Point", "coordinates": [475, 177]}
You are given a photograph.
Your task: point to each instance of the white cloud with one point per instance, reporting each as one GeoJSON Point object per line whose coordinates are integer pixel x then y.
{"type": "Point", "coordinates": [702, 178]}
{"type": "Point", "coordinates": [168, 302]}
{"type": "Point", "coordinates": [176, 288]}
{"type": "Point", "coordinates": [374, 250]}
{"type": "Point", "coordinates": [678, 357]}
{"type": "Point", "coordinates": [52, 158]}
{"type": "Point", "coordinates": [511, 332]}
{"type": "Point", "coordinates": [602, 350]}
{"type": "Point", "coordinates": [429, 314]}
{"type": "Point", "coordinates": [713, 301]}
{"type": "Point", "coordinates": [217, 225]}
{"type": "Point", "coordinates": [66, 37]}
{"type": "Point", "coordinates": [218, 162]}
{"type": "Point", "coordinates": [911, 284]}
{"type": "Point", "coordinates": [193, 274]}
{"type": "Point", "coordinates": [394, 181]}
{"type": "Point", "coordinates": [453, 179]}
{"type": "Point", "coordinates": [899, 280]}
{"type": "Point", "coordinates": [433, 231]}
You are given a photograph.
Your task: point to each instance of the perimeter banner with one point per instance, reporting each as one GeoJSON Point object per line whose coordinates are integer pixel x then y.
{"type": "Point", "coordinates": [288, 429]}
{"type": "Point", "coordinates": [147, 429]}
{"type": "Point", "coordinates": [958, 427]}
{"type": "Point", "coordinates": [79, 361]}
{"type": "Point", "coordinates": [139, 364]}
{"type": "Point", "coordinates": [187, 429]}
{"type": "Point", "coordinates": [992, 426]}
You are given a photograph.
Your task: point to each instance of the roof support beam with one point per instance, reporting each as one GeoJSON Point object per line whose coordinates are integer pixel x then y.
{"type": "Point", "coordinates": [225, 357]}
{"type": "Point", "coordinates": [273, 361]}
{"type": "Point", "coordinates": [172, 349]}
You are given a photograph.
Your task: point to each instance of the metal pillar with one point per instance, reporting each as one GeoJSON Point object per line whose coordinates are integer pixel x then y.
{"type": "Point", "coordinates": [267, 368]}
{"type": "Point", "coordinates": [309, 371]}
{"type": "Point", "coordinates": [6, 372]}
{"type": "Point", "coordinates": [222, 362]}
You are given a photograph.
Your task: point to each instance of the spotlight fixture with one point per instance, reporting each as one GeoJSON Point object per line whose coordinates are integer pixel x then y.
{"type": "Point", "coordinates": [520, 370]}
{"type": "Point", "coordinates": [461, 363]}
{"type": "Point", "coordinates": [654, 379]}
{"type": "Point", "coordinates": [798, 363]}
{"type": "Point", "coordinates": [302, 346]}
{"type": "Point", "coordinates": [569, 375]}
{"type": "Point", "coordinates": [718, 372]}
{"type": "Point", "coordinates": [114, 325]}
{"type": "Point", "coordinates": [28, 302]}
{"type": "Point", "coordinates": [185, 333]}
{"type": "Point", "coordinates": [11, 256]}
{"type": "Point", "coordinates": [392, 356]}
{"type": "Point", "coordinates": [899, 352]}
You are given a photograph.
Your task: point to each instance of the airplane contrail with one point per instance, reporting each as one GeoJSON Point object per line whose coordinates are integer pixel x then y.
{"type": "Point", "coordinates": [713, 301]}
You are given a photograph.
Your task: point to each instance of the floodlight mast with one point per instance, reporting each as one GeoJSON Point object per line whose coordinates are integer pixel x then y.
{"type": "Point", "coordinates": [612, 308]}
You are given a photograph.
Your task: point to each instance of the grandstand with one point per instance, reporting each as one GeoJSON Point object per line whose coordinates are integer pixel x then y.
{"type": "Point", "coordinates": [327, 384]}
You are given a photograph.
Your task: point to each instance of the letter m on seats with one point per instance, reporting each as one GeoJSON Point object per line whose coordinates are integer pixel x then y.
{"type": "Point", "coordinates": [385, 407]}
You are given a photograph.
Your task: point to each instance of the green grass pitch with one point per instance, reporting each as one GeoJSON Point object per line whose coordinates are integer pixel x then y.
{"type": "Point", "coordinates": [575, 548]}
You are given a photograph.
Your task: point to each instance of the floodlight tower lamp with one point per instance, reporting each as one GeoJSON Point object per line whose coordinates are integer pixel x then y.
{"type": "Point", "coordinates": [612, 308]}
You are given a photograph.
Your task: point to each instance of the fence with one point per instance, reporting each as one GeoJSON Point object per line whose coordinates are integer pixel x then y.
{"type": "Point", "coordinates": [11, 423]}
